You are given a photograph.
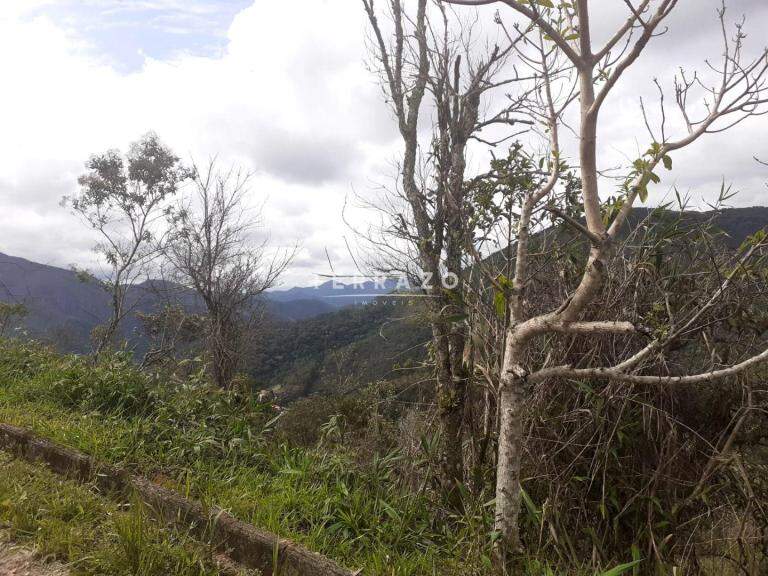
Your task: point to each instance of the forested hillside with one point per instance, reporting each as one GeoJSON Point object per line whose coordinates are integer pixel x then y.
{"type": "Point", "coordinates": [312, 340]}
{"type": "Point", "coordinates": [342, 352]}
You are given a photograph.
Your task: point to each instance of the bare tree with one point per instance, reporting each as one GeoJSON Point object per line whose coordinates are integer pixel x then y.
{"type": "Point", "coordinates": [737, 92]}
{"type": "Point", "coordinates": [171, 331]}
{"type": "Point", "coordinates": [123, 199]}
{"type": "Point", "coordinates": [212, 252]}
{"type": "Point", "coordinates": [430, 63]}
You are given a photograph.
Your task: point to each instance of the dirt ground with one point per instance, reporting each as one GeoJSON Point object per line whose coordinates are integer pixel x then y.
{"type": "Point", "coordinates": [18, 561]}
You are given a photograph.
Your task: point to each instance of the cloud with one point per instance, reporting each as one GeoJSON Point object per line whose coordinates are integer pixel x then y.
{"type": "Point", "coordinates": [13, 9]}
{"type": "Point", "coordinates": [279, 87]}
{"type": "Point", "coordinates": [288, 97]}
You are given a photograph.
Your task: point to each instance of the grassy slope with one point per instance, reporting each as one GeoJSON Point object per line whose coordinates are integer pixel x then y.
{"type": "Point", "coordinates": [219, 449]}
{"type": "Point", "coordinates": [198, 442]}
{"type": "Point", "coordinates": [72, 523]}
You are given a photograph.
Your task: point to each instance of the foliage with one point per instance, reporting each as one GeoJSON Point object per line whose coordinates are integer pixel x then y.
{"type": "Point", "coordinates": [220, 447]}
{"type": "Point", "coordinates": [352, 476]}
{"type": "Point", "coordinates": [10, 314]}
{"type": "Point", "coordinates": [94, 536]}
{"type": "Point", "coordinates": [341, 352]}
{"type": "Point", "coordinates": [122, 199]}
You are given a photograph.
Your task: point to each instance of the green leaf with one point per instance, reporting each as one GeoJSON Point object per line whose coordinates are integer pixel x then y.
{"type": "Point", "coordinates": [654, 177]}
{"type": "Point", "coordinates": [636, 558]}
{"type": "Point", "coordinates": [642, 191]}
{"type": "Point", "coordinates": [533, 510]}
{"type": "Point", "coordinates": [500, 304]}
{"type": "Point", "coordinates": [621, 569]}
{"type": "Point", "coordinates": [654, 149]}
{"type": "Point", "coordinates": [667, 161]}
{"type": "Point", "coordinates": [545, 3]}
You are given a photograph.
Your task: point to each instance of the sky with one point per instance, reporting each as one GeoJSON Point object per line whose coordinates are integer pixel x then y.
{"type": "Point", "coordinates": [282, 89]}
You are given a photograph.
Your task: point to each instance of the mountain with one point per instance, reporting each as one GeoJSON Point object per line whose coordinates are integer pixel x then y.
{"type": "Point", "coordinates": [336, 294]}
{"type": "Point", "coordinates": [331, 338]}
{"type": "Point", "coordinates": [63, 308]}
{"type": "Point", "coordinates": [299, 309]}
{"type": "Point", "coordinates": [60, 307]}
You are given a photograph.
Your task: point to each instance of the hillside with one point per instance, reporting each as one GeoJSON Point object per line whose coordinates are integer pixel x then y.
{"type": "Point", "coordinates": [332, 338]}
{"type": "Point", "coordinates": [339, 352]}
{"type": "Point", "coordinates": [63, 308]}
{"type": "Point", "coordinates": [213, 446]}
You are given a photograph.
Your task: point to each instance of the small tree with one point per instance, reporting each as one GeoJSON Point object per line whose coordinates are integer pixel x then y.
{"type": "Point", "coordinates": [430, 62]}
{"type": "Point", "coordinates": [123, 199]}
{"type": "Point", "coordinates": [737, 91]}
{"type": "Point", "coordinates": [212, 252]}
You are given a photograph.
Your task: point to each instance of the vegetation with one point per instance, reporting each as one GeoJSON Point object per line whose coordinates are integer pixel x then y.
{"type": "Point", "coordinates": [211, 255]}
{"type": "Point", "coordinates": [94, 535]}
{"type": "Point", "coordinates": [568, 308]}
{"type": "Point", "coordinates": [578, 388]}
{"type": "Point", "coordinates": [228, 450]}
{"type": "Point", "coordinates": [341, 352]}
{"type": "Point", "coordinates": [10, 314]}
{"type": "Point", "coordinates": [123, 200]}
{"type": "Point", "coordinates": [351, 477]}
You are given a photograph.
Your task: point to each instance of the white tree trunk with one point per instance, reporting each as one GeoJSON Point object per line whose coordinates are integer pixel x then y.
{"type": "Point", "coordinates": [510, 456]}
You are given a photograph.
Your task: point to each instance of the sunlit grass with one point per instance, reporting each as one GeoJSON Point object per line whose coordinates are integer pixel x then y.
{"type": "Point", "coordinates": [91, 534]}
{"type": "Point", "coordinates": [220, 450]}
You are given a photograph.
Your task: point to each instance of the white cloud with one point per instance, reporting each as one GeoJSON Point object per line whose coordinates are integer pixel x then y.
{"type": "Point", "coordinates": [289, 97]}
{"type": "Point", "coordinates": [11, 9]}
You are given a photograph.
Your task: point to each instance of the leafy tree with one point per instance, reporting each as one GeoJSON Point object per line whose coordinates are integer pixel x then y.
{"type": "Point", "coordinates": [123, 198]}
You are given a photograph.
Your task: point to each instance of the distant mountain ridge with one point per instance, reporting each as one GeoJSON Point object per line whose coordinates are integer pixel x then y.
{"type": "Point", "coordinates": [64, 309]}
{"type": "Point", "coordinates": [337, 293]}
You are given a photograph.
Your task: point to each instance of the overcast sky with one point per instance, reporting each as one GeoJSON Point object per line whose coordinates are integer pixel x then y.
{"type": "Point", "coordinates": [282, 88]}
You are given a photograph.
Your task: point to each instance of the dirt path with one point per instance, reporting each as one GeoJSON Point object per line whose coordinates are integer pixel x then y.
{"type": "Point", "coordinates": [18, 561]}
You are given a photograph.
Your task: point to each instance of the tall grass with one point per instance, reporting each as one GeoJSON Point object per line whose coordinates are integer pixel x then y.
{"type": "Point", "coordinates": [222, 448]}
{"type": "Point", "coordinates": [94, 536]}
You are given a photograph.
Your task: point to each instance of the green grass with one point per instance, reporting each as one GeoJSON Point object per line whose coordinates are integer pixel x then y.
{"type": "Point", "coordinates": [221, 449]}
{"type": "Point", "coordinates": [214, 448]}
{"type": "Point", "coordinates": [93, 535]}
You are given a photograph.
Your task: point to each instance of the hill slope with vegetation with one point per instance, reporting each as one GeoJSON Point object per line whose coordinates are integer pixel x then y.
{"type": "Point", "coordinates": [336, 494]}
{"type": "Point", "coordinates": [341, 352]}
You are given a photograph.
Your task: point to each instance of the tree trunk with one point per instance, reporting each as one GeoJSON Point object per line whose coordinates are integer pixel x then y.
{"type": "Point", "coordinates": [107, 337]}
{"type": "Point", "coordinates": [222, 350]}
{"type": "Point", "coordinates": [451, 392]}
{"type": "Point", "coordinates": [452, 337]}
{"type": "Point", "coordinates": [511, 396]}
